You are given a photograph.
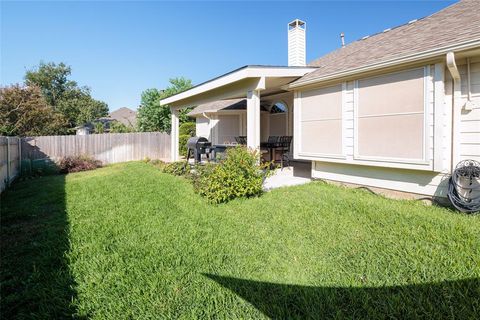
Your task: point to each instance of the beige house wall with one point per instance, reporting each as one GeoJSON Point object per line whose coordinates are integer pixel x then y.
{"type": "Point", "coordinates": [203, 127]}
{"type": "Point", "coordinates": [427, 178]}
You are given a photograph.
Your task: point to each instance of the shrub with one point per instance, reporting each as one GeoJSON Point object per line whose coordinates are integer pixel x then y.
{"type": "Point", "coordinates": [187, 128]}
{"type": "Point", "coordinates": [182, 144]}
{"type": "Point", "coordinates": [178, 168]}
{"type": "Point", "coordinates": [238, 175]}
{"type": "Point", "coordinates": [78, 163]}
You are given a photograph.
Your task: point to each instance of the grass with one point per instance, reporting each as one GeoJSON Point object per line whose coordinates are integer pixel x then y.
{"type": "Point", "coordinates": [127, 241]}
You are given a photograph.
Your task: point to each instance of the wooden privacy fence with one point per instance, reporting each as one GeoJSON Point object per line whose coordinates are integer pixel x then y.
{"type": "Point", "coordinates": [108, 148]}
{"type": "Point", "coordinates": [10, 154]}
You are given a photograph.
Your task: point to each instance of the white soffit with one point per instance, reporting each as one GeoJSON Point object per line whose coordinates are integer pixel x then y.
{"type": "Point", "coordinates": [237, 75]}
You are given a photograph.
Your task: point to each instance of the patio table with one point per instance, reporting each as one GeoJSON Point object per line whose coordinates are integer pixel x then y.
{"type": "Point", "coordinates": [270, 147]}
{"type": "Point", "coordinates": [221, 148]}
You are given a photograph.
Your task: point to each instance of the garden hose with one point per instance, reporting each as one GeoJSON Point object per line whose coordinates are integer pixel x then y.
{"type": "Point", "coordinates": [464, 186]}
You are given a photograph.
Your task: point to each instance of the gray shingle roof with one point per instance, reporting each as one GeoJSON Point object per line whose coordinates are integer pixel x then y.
{"type": "Point", "coordinates": [456, 24]}
{"type": "Point", "coordinates": [125, 115]}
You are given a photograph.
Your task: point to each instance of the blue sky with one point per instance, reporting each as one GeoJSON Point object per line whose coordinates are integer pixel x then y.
{"type": "Point", "coordinates": [119, 48]}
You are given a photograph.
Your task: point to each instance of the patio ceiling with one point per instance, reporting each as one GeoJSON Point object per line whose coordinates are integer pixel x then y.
{"type": "Point", "coordinates": [235, 84]}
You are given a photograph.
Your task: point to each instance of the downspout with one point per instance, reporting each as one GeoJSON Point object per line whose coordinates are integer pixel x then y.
{"type": "Point", "coordinates": [456, 100]}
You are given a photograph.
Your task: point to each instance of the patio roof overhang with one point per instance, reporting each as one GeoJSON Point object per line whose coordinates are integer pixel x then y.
{"type": "Point", "coordinates": [236, 84]}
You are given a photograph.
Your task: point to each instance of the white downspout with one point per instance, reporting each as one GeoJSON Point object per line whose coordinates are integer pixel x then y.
{"type": "Point", "coordinates": [456, 108]}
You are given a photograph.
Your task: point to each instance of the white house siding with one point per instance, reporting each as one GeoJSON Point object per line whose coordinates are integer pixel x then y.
{"type": "Point", "coordinates": [470, 120]}
{"type": "Point", "coordinates": [428, 179]}
{"type": "Point", "coordinates": [203, 127]}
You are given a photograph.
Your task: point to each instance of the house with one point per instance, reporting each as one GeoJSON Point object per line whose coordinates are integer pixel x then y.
{"type": "Point", "coordinates": [125, 115]}
{"type": "Point", "coordinates": [394, 111]}
{"type": "Point", "coordinates": [89, 127]}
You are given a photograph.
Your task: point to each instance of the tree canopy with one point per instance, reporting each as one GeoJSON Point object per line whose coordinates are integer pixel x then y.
{"type": "Point", "coordinates": [64, 95]}
{"type": "Point", "coordinates": [153, 117]}
{"type": "Point", "coordinates": [24, 111]}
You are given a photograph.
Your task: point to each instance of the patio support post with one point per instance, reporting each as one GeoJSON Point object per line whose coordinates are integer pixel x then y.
{"type": "Point", "coordinates": [253, 119]}
{"type": "Point", "coordinates": [174, 135]}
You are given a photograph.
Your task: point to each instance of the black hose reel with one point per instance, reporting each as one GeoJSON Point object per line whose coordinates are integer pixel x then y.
{"type": "Point", "coordinates": [464, 186]}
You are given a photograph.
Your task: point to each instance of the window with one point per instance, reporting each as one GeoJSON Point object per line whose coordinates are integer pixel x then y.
{"type": "Point", "coordinates": [390, 117]}
{"type": "Point", "coordinates": [228, 127]}
{"type": "Point", "coordinates": [321, 122]}
{"type": "Point", "coordinates": [278, 107]}
{"type": "Point", "coordinates": [278, 119]}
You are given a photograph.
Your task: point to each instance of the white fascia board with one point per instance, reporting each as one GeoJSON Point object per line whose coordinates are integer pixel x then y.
{"type": "Point", "coordinates": [243, 73]}
{"type": "Point", "coordinates": [388, 63]}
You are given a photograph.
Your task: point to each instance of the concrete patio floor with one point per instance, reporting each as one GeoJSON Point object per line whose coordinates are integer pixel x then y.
{"type": "Point", "coordinates": [297, 174]}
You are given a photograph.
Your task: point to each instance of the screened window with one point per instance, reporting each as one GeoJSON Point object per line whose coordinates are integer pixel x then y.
{"type": "Point", "coordinates": [390, 116]}
{"type": "Point", "coordinates": [228, 128]}
{"type": "Point", "coordinates": [321, 121]}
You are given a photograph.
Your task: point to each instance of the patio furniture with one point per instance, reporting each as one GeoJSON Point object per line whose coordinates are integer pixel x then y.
{"type": "Point", "coordinates": [283, 146]}
{"type": "Point", "coordinates": [241, 140]}
{"type": "Point", "coordinates": [220, 148]}
{"type": "Point", "coordinates": [270, 146]}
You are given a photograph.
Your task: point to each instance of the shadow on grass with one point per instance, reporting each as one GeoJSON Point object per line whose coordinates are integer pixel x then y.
{"type": "Point", "coordinates": [450, 299]}
{"type": "Point", "coordinates": [34, 274]}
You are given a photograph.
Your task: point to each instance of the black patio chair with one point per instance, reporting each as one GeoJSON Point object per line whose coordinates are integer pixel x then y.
{"type": "Point", "coordinates": [241, 140]}
{"type": "Point", "coordinates": [283, 148]}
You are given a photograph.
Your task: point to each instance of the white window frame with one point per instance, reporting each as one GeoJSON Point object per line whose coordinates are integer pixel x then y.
{"type": "Point", "coordinates": [423, 160]}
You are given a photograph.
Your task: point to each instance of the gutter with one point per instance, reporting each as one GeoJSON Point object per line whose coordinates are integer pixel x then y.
{"type": "Point", "coordinates": [388, 63]}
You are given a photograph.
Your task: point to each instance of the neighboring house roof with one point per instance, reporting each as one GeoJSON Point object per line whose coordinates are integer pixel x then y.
{"type": "Point", "coordinates": [454, 25]}
{"type": "Point", "coordinates": [212, 107]}
{"type": "Point", "coordinates": [125, 115]}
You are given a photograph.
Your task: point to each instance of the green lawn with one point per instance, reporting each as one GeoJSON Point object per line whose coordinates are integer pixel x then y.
{"type": "Point", "coordinates": [128, 242]}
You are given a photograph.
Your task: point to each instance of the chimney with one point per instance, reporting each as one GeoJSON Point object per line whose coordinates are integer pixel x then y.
{"type": "Point", "coordinates": [296, 43]}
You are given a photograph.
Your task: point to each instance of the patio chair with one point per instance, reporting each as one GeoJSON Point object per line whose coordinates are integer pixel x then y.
{"type": "Point", "coordinates": [266, 147]}
{"type": "Point", "coordinates": [241, 140]}
{"type": "Point", "coordinates": [283, 148]}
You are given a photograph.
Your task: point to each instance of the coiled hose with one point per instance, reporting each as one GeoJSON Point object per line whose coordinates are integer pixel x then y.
{"type": "Point", "coordinates": [464, 186]}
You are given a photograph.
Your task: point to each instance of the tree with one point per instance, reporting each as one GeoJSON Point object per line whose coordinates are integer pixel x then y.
{"type": "Point", "coordinates": [99, 127]}
{"type": "Point", "coordinates": [79, 107]}
{"type": "Point", "coordinates": [25, 112]}
{"type": "Point", "coordinates": [64, 95]}
{"type": "Point", "coordinates": [118, 127]}
{"type": "Point", "coordinates": [153, 117]}
{"type": "Point", "coordinates": [52, 79]}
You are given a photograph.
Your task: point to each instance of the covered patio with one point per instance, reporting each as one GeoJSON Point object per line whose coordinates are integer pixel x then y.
{"type": "Point", "coordinates": [259, 88]}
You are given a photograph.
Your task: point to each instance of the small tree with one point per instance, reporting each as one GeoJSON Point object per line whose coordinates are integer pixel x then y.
{"type": "Point", "coordinates": [99, 127]}
{"type": "Point", "coordinates": [118, 127]}
{"type": "Point", "coordinates": [153, 117]}
{"type": "Point", "coordinates": [24, 112]}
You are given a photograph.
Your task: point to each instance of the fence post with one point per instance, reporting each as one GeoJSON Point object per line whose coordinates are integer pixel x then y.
{"type": "Point", "coordinates": [19, 156]}
{"type": "Point", "coordinates": [8, 161]}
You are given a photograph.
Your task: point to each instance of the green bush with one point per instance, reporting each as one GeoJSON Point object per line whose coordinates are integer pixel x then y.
{"type": "Point", "coordinates": [182, 144]}
{"type": "Point", "coordinates": [187, 128]}
{"type": "Point", "coordinates": [238, 175]}
{"type": "Point", "coordinates": [178, 168]}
